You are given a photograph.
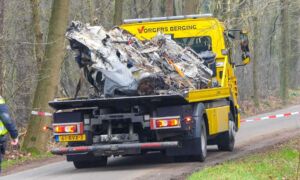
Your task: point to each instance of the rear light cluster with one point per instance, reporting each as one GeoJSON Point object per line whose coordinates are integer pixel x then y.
{"type": "Point", "coordinates": [165, 122]}
{"type": "Point", "coordinates": [68, 128]}
{"type": "Point", "coordinates": [65, 129]}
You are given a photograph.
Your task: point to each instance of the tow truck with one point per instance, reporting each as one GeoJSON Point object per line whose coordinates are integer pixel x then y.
{"type": "Point", "coordinates": [178, 125]}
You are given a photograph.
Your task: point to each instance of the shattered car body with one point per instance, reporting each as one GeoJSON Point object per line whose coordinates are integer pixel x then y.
{"type": "Point", "coordinates": [132, 67]}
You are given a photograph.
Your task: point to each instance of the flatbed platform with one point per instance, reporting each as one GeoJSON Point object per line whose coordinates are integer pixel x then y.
{"type": "Point", "coordinates": [155, 100]}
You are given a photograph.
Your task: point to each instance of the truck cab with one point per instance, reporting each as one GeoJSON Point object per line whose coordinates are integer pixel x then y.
{"type": "Point", "coordinates": [178, 125]}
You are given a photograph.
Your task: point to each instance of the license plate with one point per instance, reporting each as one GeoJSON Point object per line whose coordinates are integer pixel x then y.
{"type": "Point", "coordinates": [72, 137]}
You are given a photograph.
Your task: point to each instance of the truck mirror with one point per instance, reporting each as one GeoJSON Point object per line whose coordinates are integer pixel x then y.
{"type": "Point", "coordinates": [245, 47]}
{"type": "Point", "coordinates": [241, 37]}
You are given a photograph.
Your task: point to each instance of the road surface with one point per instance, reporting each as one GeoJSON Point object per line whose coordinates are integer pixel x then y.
{"type": "Point", "coordinates": [251, 137]}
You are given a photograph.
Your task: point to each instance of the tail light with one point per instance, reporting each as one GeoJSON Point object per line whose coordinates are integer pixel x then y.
{"type": "Point", "coordinates": [45, 128]}
{"type": "Point", "coordinates": [68, 128]}
{"type": "Point", "coordinates": [165, 122]}
{"type": "Point", "coordinates": [188, 119]}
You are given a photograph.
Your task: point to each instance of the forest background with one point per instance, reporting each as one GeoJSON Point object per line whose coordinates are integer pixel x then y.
{"type": "Point", "coordinates": [36, 65]}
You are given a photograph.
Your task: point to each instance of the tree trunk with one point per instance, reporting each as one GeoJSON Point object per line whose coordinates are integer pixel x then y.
{"type": "Point", "coordinates": [217, 8]}
{"type": "Point", "coordinates": [151, 10]}
{"type": "Point", "coordinates": [294, 61]}
{"type": "Point", "coordinates": [91, 8]}
{"type": "Point", "coordinates": [190, 7]}
{"type": "Point", "coordinates": [135, 9]}
{"type": "Point", "coordinates": [178, 7]}
{"type": "Point", "coordinates": [169, 7]}
{"type": "Point", "coordinates": [1, 45]}
{"type": "Point", "coordinates": [254, 36]}
{"type": "Point", "coordinates": [36, 139]}
{"type": "Point", "coordinates": [285, 48]}
{"type": "Point", "coordinates": [162, 8]}
{"type": "Point", "coordinates": [254, 62]}
{"type": "Point", "coordinates": [118, 12]}
{"type": "Point", "coordinates": [225, 9]}
{"type": "Point", "coordinates": [38, 49]}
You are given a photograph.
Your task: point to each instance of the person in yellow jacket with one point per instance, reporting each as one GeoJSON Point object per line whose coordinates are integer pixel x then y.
{"type": "Point", "coordinates": [6, 126]}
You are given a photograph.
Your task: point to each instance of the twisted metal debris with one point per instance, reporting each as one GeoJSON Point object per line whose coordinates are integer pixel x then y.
{"type": "Point", "coordinates": [128, 66]}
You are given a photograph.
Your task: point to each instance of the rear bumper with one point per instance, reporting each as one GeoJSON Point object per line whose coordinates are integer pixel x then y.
{"type": "Point", "coordinates": [115, 149]}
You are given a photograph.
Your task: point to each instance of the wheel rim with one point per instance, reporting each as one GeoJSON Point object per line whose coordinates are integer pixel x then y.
{"type": "Point", "coordinates": [232, 129]}
{"type": "Point", "coordinates": [203, 143]}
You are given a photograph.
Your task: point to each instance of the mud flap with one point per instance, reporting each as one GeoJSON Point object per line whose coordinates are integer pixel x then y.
{"type": "Point", "coordinates": [188, 147]}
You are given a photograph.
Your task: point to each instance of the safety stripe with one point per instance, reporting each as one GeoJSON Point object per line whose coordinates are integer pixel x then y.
{"type": "Point", "coordinates": [270, 117]}
{"type": "Point", "coordinates": [47, 114]}
{"type": "Point", "coordinates": [39, 113]}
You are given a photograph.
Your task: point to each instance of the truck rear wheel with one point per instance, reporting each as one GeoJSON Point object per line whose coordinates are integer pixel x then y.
{"type": "Point", "coordinates": [203, 143]}
{"type": "Point", "coordinates": [227, 139]}
{"type": "Point", "coordinates": [100, 162]}
{"type": "Point", "coordinates": [199, 153]}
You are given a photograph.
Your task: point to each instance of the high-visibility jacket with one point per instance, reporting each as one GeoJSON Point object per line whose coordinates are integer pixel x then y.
{"type": "Point", "coordinates": [3, 130]}
{"type": "Point", "coordinates": [2, 101]}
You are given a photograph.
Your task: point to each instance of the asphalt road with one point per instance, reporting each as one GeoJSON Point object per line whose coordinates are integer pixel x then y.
{"type": "Point", "coordinates": [251, 137]}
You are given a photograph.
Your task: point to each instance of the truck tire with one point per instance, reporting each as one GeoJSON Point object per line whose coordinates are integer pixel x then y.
{"type": "Point", "coordinates": [100, 162]}
{"type": "Point", "coordinates": [201, 151]}
{"type": "Point", "coordinates": [227, 139]}
{"type": "Point", "coordinates": [203, 143]}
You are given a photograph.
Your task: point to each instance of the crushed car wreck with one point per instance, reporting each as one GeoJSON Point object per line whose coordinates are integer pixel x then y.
{"type": "Point", "coordinates": [120, 64]}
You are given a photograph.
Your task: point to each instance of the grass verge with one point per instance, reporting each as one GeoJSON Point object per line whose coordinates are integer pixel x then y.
{"type": "Point", "coordinates": [280, 162]}
{"type": "Point", "coordinates": [23, 159]}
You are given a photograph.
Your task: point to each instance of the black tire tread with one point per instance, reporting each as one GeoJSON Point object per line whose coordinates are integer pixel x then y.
{"type": "Point", "coordinates": [90, 164]}
{"type": "Point", "coordinates": [201, 157]}
{"type": "Point", "coordinates": [226, 143]}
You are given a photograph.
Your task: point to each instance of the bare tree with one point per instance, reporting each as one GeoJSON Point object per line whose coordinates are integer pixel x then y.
{"type": "Point", "coordinates": [169, 7]}
{"type": "Point", "coordinates": [254, 21]}
{"type": "Point", "coordinates": [91, 8]}
{"type": "Point", "coordinates": [35, 139]}
{"type": "Point", "coordinates": [190, 7]}
{"type": "Point", "coordinates": [285, 47]}
{"type": "Point", "coordinates": [38, 49]}
{"type": "Point", "coordinates": [118, 12]}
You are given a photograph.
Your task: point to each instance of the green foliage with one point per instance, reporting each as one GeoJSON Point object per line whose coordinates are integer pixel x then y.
{"type": "Point", "coordinates": [34, 151]}
{"type": "Point", "coordinates": [24, 159]}
{"type": "Point", "coordinates": [294, 93]}
{"type": "Point", "coordinates": [277, 164]}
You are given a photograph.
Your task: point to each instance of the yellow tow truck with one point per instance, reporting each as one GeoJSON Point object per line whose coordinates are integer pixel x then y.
{"type": "Point", "coordinates": [178, 125]}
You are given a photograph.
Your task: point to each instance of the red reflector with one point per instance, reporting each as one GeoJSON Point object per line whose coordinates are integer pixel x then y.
{"type": "Point", "coordinates": [150, 145]}
{"type": "Point", "coordinates": [81, 148]}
